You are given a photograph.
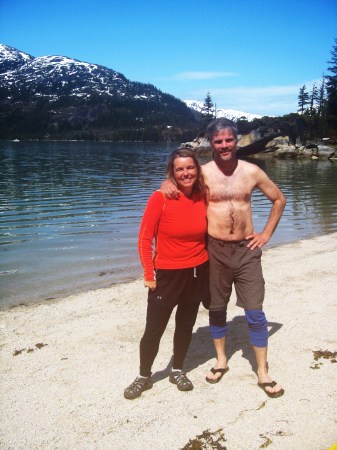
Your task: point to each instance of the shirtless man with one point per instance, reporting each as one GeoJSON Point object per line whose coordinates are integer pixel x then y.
{"type": "Point", "coordinates": [234, 246]}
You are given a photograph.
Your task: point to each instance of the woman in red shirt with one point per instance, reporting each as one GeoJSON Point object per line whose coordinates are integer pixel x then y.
{"type": "Point", "coordinates": [175, 270]}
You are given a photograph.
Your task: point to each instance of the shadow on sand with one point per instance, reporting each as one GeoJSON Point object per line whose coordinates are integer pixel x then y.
{"type": "Point", "coordinates": [201, 348]}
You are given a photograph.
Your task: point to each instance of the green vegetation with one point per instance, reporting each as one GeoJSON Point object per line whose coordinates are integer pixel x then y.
{"type": "Point", "coordinates": [208, 109]}
{"type": "Point", "coordinates": [316, 117]}
{"type": "Point", "coordinates": [144, 113]}
{"type": "Point", "coordinates": [97, 118]}
{"type": "Point", "coordinates": [318, 108]}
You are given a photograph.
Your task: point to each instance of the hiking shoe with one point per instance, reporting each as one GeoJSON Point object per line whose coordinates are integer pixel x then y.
{"type": "Point", "coordinates": [135, 389]}
{"type": "Point", "coordinates": [181, 380]}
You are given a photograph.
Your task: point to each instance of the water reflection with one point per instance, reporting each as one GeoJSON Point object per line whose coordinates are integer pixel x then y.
{"type": "Point", "coordinates": [310, 188]}
{"type": "Point", "coordinates": [70, 212]}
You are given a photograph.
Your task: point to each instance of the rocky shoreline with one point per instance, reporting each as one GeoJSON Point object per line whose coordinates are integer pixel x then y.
{"type": "Point", "coordinates": [278, 146]}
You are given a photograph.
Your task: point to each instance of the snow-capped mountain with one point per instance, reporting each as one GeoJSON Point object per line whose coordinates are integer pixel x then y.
{"type": "Point", "coordinates": [60, 97]}
{"type": "Point", "coordinates": [56, 76]}
{"type": "Point", "coordinates": [11, 58]}
{"type": "Point", "coordinates": [231, 114]}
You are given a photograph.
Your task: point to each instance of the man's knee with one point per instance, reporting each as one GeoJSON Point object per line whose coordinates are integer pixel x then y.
{"type": "Point", "coordinates": [258, 327]}
{"type": "Point", "coordinates": [218, 317]}
{"type": "Point", "coordinates": [218, 323]}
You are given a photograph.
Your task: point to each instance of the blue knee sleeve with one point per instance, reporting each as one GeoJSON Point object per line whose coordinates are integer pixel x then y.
{"type": "Point", "coordinates": [218, 332]}
{"type": "Point", "coordinates": [257, 324]}
{"type": "Point", "coordinates": [218, 323]}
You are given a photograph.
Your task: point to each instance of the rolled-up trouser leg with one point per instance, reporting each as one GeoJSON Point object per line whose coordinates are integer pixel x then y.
{"type": "Point", "coordinates": [257, 324]}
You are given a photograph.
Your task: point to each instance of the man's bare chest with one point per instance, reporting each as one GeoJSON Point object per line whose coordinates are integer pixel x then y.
{"type": "Point", "coordinates": [229, 190]}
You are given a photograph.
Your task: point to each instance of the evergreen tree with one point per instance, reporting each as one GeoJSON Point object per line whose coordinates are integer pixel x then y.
{"type": "Point", "coordinates": [322, 99]}
{"type": "Point", "coordinates": [208, 107]}
{"type": "Point", "coordinates": [303, 99]}
{"type": "Point", "coordinates": [331, 82]}
{"type": "Point", "coordinates": [314, 98]}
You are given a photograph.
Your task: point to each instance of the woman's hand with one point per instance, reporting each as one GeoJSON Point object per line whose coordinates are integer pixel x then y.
{"type": "Point", "coordinates": [150, 284]}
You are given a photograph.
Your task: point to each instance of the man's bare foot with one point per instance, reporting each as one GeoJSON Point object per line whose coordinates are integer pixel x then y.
{"type": "Point", "coordinates": [270, 387]}
{"type": "Point", "coordinates": [217, 372]}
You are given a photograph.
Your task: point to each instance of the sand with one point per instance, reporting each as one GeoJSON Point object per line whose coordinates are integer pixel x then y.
{"type": "Point", "coordinates": [65, 364]}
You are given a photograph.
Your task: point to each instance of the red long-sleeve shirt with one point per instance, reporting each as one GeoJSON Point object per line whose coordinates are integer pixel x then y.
{"type": "Point", "coordinates": [178, 227]}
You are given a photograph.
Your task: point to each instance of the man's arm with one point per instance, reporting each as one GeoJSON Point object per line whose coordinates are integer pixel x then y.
{"type": "Point", "coordinates": [169, 190]}
{"type": "Point", "coordinates": [275, 195]}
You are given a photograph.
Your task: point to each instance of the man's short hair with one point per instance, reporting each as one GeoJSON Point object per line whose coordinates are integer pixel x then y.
{"type": "Point", "coordinates": [220, 124]}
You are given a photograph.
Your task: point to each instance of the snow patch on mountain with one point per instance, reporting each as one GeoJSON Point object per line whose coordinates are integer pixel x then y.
{"type": "Point", "coordinates": [54, 76]}
{"type": "Point", "coordinates": [231, 114]}
{"type": "Point", "coordinates": [11, 54]}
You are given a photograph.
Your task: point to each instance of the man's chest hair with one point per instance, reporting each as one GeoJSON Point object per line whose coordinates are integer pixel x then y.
{"type": "Point", "coordinates": [229, 189]}
{"type": "Point", "coordinates": [236, 186]}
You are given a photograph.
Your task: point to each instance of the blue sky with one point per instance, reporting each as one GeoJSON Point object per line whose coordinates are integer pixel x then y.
{"type": "Point", "coordinates": [252, 56]}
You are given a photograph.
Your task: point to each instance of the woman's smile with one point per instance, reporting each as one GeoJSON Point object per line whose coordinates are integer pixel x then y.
{"type": "Point", "coordinates": [185, 174]}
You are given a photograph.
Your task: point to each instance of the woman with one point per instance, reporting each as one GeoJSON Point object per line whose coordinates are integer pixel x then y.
{"type": "Point", "coordinates": [177, 274]}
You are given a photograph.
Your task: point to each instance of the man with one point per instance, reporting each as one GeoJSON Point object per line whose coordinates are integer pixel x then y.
{"type": "Point", "coordinates": [234, 246]}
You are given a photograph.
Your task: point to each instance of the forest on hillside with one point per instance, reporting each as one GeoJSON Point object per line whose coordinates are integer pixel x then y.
{"type": "Point", "coordinates": [159, 117]}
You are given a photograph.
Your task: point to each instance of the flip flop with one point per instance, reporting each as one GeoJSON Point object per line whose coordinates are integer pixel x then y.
{"type": "Point", "coordinates": [214, 371]}
{"type": "Point", "coordinates": [271, 394]}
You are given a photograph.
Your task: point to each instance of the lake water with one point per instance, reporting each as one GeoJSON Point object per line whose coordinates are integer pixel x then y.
{"type": "Point", "coordinates": [70, 212]}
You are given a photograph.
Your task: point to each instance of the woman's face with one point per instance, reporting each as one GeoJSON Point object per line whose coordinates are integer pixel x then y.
{"type": "Point", "coordinates": [185, 173]}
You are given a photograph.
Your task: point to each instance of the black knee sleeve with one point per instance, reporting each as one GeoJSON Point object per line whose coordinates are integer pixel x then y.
{"type": "Point", "coordinates": [218, 318]}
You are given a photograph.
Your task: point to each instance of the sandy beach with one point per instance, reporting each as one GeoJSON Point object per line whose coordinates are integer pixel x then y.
{"type": "Point", "coordinates": [65, 364]}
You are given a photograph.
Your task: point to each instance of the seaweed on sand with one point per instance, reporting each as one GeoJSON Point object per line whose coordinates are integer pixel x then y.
{"type": "Point", "coordinates": [324, 354]}
{"type": "Point", "coordinates": [207, 440]}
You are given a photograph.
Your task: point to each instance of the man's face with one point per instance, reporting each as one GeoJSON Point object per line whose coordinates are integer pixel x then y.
{"type": "Point", "coordinates": [224, 145]}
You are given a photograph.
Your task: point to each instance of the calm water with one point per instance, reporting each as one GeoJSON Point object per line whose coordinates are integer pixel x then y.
{"type": "Point", "coordinates": [70, 212]}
